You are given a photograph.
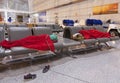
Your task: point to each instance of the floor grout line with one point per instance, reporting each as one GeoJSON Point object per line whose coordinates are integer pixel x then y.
{"type": "Point", "coordinates": [70, 76]}
{"type": "Point", "coordinates": [73, 77]}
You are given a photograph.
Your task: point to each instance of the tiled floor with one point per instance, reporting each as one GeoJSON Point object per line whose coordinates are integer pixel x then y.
{"type": "Point", "coordinates": [96, 67]}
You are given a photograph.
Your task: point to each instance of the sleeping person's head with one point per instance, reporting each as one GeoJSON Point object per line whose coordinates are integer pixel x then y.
{"type": "Point", "coordinates": [54, 38]}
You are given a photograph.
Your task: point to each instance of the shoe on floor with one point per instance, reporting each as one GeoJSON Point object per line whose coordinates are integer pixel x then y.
{"type": "Point", "coordinates": [46, 68]}
{"type": "Point", "coordinates": [30, 76]}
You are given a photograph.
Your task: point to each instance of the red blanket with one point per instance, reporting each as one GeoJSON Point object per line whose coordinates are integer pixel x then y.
{"type": "Point", "coordinates": [40, 42]}
{"type": "Point", "coordinates": [89, 34]}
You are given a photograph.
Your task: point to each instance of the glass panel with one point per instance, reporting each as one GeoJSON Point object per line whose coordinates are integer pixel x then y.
{"type": "Point", "coordinates": [18, 5]}
{"type": "Point", "coordinates": [3, 4]}
{"type": "Point", "coordinates": [1, 17]}
{"type": "Point", "coordinates": [17, 17]}
{"type": "Point", "coordinates": [11, 17]}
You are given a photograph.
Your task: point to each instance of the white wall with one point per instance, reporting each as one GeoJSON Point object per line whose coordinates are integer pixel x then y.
{"type": "Point", "coordinates": [82, 10]}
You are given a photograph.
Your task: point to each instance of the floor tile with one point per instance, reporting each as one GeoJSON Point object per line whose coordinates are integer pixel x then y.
{"type": "Point", "coordinates": [103, 68]}
{"type": "Point", "coordinates": [96, 67]}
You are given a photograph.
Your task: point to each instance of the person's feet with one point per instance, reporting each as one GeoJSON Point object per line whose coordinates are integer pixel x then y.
{"type": "Point", "coordinates": [30, 76]}
{"type": "Point", "coordinates": [46, 68]}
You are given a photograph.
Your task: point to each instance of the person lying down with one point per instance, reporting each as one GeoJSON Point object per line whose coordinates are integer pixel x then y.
{"type": "Point", "coordinates": [42, 42]}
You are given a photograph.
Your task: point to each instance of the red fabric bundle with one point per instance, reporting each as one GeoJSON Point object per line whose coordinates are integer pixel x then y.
{"type": "Point", "coordinates": [89, 34]}
{"type": "Point", "coordinates": [40, 42]}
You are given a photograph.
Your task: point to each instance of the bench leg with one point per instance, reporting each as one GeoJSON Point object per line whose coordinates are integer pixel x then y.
{"type": "Point", "coordinates": [68, 52]}
{"type": "Point", "coordinates": [6, 59]}
{"type": "Point", "coordinates": [107, 45]}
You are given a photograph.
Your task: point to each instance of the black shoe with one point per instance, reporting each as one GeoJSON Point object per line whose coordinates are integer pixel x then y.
{"type": "Point", "coordinates": [30, 76]}
{"type": "Point", "coordinates": [46, 69]}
